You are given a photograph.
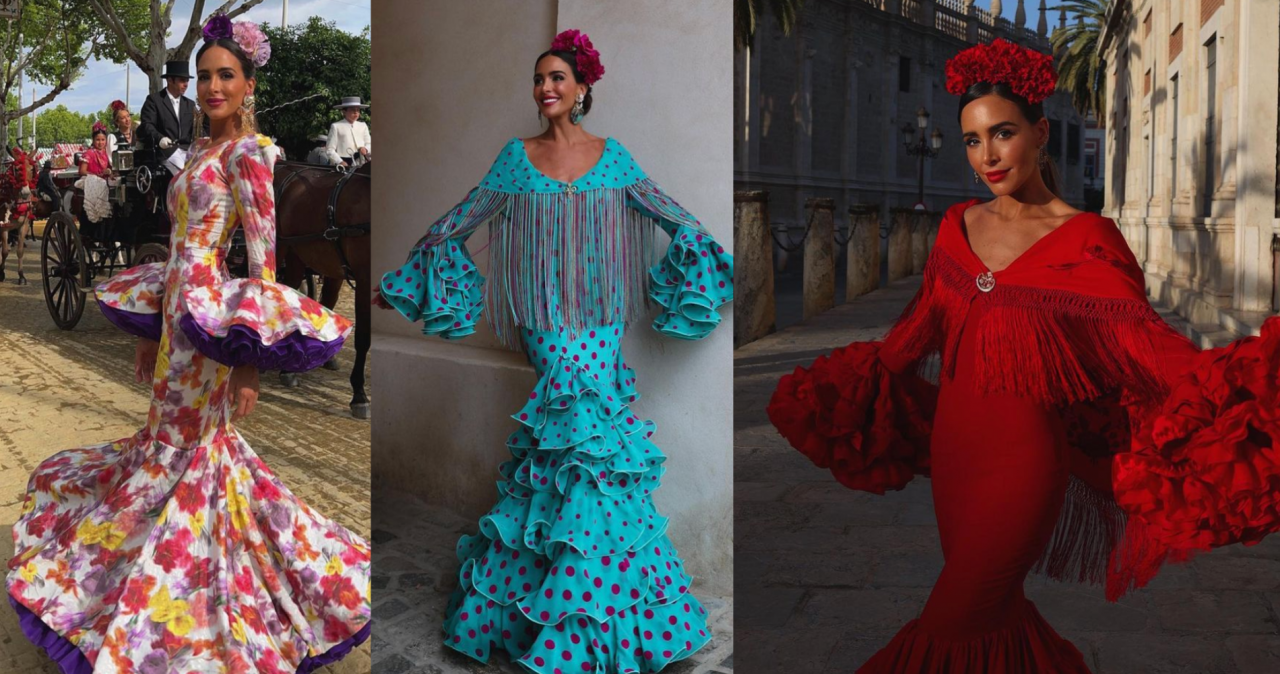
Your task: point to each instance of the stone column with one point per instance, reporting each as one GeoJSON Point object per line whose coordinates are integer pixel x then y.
{"type": "Point", "coordinates": [862, 269]}
{"type": "Point", "coordinates": [899, 254]}
{"type": "Point", "coordinates": [753, 308]}
{"type": "Point", "coordinates": [1256, 164]}
{"type": "Point", "coordinates": [819, 257]}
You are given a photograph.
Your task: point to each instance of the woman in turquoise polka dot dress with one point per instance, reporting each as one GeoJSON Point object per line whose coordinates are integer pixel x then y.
{"type": "Point", "coordinates": [572, 569]}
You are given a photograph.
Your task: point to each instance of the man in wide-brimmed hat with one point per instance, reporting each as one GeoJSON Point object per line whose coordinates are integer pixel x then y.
{"type": "Point", "coordinates": [349, 137]}
{"type": "Point", "coordinates": [168, 115]}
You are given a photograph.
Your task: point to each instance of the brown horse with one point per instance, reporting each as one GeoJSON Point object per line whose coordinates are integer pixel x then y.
{"type": "Point", "coordinates": [322, 224]}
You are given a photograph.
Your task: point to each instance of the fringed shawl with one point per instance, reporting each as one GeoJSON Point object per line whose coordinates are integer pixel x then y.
{"type": "Point", "coordinates": [1067, 324]}
{"type": "Point", "coordinates": [568, 255]}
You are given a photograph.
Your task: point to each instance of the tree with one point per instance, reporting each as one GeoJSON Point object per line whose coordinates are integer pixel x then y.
{"type": "Point", "coordinates": [1080, 66]}
{"type": "Point", "coordinates": [156, 28]}
{"type": "Point", "coordinates": [307, 59]}
{"type": "Point", "coordinates": [746, 19]}
{"type": "Point", "coordinates": [50, 41]}
{"type": "Point", "coordinates": [60, 125]}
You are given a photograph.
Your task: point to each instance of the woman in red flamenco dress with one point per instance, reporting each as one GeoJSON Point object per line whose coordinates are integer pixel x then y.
{"type": "Point", "coordinates": [1071, 431]}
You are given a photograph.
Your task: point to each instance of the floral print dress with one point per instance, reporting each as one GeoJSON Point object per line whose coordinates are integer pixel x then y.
{"type": "Point", "coordinates": [177, 549]}
{"type": "Point", "coordinates": [572, 569]}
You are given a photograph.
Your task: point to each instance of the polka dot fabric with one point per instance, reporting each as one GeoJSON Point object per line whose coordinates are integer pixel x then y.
{"type": "Point", "coordinates": [572, 569]}
{"type": "Point", "coordinates": [564, 255]}
{"type": "Point", "coordinates": [693, 279]}
{"type": "Point", "coordinates": [439, 286]}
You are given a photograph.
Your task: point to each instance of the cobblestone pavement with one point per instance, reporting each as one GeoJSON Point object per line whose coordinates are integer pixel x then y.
{"type": "Point", "coordinates": [62, 389]}
{"type": "Point", "coordinates": [415, 570]}
{"type": "Point", "coordinates": [827, 575]}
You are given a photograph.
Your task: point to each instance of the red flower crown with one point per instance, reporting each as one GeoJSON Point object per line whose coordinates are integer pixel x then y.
{"type": "Point", "coordinates": [1027, 72]}
{"type": "Point", "coordinates": [118, 105]}
{"type": "Point", "coordinates": [588, 59]}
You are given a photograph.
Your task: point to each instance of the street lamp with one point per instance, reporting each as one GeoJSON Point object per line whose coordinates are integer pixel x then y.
{"type": "Point", "coordinates": [919, 145]}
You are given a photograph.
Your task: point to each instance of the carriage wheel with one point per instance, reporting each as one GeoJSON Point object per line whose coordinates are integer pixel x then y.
{"type": "Point", "coordinates": [150, 252]}
{"type": "Point", "coordinates": [63, 261]}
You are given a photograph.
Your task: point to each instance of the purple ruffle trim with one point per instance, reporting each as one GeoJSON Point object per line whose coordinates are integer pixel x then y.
{"type": "Point", "coordinates": [61, 651]}
{"type": "Point", "coordinates": [72, 661]}
{"type": "Point", "coordinates": [243, 346]}
{"type": "Point", "coordinates": [312, 663]}
{"type": "Point", "coordinates": [146, 326]}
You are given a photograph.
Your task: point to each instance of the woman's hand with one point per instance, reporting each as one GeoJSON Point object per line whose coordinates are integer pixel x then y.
{"type": "Point", "coordinates": [244, 391]}
{"type": "Point", "coordinates": [144, 360]}
{"type": "Point", "coordinates": [380, 301]}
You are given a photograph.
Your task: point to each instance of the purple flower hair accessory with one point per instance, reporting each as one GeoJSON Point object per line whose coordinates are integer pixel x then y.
{"type": "Point", "coordinates": [588, 59]}
{"type": "Point", "coordinates": [217, 27]}
{"type": "Point", "coordinates": [253, 42]}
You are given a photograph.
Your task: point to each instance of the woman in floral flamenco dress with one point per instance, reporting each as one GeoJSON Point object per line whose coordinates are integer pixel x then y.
{"type": "Point", "coordinates": [176, 549]}
{"type": "Point", "coordinates": [572, 569]}
{"type": "Point", "coordinates": [1072, 431]}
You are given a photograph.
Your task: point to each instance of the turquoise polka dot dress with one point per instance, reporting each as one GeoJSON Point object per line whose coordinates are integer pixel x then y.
{"type": "Point", "coordinates": [572, 570]}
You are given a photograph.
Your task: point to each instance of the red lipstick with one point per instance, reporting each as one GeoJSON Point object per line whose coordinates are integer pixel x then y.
{"type": "Point", "coordinates": [997, 176]}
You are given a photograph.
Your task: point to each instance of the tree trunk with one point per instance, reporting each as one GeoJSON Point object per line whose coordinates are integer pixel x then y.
{"type": "Point", "coordinates": [156, 53]}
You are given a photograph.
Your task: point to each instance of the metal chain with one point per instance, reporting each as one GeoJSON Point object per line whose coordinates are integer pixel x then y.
{"type": "Point", "coordinates": [796, 246]}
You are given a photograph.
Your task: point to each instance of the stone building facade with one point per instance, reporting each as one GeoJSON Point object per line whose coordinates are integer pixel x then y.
{"type": "Point", "coordinates": [1191, 152]}
{"type": "Point", "coordinates": [819, 112]}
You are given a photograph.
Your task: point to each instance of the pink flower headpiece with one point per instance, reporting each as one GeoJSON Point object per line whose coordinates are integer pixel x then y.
{"type": "Point", "coordinates": [99, 126]}
{"type": "Point", "coordinates": [588, 59]}
{"type": "Point", "coordinates": [247, 34]}
{"type": "Point", "coordinates": [1027, 72]}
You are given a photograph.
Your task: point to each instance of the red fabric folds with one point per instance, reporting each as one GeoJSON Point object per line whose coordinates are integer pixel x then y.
{"type": "Point", "coordinates": [1028, 646]}
{"type": "Point", "coordinates": [1204, 471]}
{"type": "Point", "coordinates": [849, 413]}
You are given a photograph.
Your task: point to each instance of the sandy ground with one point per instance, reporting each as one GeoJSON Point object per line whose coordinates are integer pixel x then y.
{"type": "Point", "coordinates": [62, 389]}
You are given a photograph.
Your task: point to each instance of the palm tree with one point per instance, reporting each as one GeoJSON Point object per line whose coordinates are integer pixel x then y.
{"type": "Point", "coordinates": [1081, 70]}
{"type": "Point", "coordinates": [746, 19]}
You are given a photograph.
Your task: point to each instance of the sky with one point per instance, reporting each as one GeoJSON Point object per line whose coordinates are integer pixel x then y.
{"type": "Point", "coordinates": [1032, 7]}
{"type": "Point", "coordinates": [103, 82]}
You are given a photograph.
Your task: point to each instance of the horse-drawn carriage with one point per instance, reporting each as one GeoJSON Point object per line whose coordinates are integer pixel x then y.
{"type": "Point", "coordinates": [84, 243]}
{"type": "Point", "coordinates": [322, 223]}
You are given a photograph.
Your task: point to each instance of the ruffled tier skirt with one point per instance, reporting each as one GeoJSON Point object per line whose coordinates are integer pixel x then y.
{"type": "Point", "coordinates": [1026, 646]}
{"type": "Point", "coordinates": [572, 569]}
{"type": "Point", "coordinates": [136, 556]}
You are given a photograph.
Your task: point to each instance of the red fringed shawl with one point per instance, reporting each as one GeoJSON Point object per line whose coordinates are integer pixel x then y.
{"type": "Point", "coordinates": [1155, 476]}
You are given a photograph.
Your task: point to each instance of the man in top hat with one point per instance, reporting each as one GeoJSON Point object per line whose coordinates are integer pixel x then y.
{"type": "Point", "coordinates": [349, 137]}
{"type": "Point", "coordinates": [167, 115]}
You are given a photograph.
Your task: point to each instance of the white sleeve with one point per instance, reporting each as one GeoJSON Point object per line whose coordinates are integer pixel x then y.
{"type": "Point", "coordinates": [332, 144]}
{"type": "Point", "coordinates": [367, 143]}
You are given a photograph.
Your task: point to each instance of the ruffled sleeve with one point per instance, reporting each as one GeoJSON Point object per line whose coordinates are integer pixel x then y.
{"type": "Point", "coordinates": [695, 275]}
{"type": "Point", "coordinates": [133, 300]}
{"type": "Point", "coordinates": [439, 284]}
{"type": "Point", "coordinates": [256, 321]}
{"type": "Point", "coordinates": [847, 412]}
{"type": "Point", "coordinates": [1204, 471]}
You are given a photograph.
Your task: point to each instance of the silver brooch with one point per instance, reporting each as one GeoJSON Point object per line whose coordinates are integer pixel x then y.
{"type": "Point", "coordinates": [570, 189]}
{"type": "Point", "coordinates": [986, 281]}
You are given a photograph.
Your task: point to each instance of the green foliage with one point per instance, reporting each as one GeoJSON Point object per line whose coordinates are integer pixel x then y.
{"type": "Point", "coordinates": [747, 18]}
{"type": "Point", "coordinates": [1080, 67]}
{"type": "Point", "coordinates": [307, 59]}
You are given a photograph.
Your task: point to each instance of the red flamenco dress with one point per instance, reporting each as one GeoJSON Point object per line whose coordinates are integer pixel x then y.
{"type": "Point", "coordinates": [1072, 432]}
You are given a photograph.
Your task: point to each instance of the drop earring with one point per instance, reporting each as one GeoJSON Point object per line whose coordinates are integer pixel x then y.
{"type": "Point", "coordinates": [575, 115]}
{"type": "Point", "coordinates": [975, 177]}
